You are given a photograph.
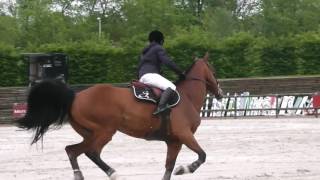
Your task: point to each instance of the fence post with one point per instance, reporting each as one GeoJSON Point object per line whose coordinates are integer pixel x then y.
{"type": "Point", "coordinates": [277, 105]}
{"type": "Point", "coordinates": [235, 105]}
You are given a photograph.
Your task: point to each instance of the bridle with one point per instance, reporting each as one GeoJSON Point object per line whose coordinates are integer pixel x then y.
{"type": "Point", "coordinates": [198, 79]}
{"type": "Point", "coordinates": [205, 83]}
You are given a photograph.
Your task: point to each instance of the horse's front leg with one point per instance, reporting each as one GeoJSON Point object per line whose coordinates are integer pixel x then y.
{"type": "Point", "coordinates": [173, 149]}
{"type": "Point", "coordinates": [190, 141]}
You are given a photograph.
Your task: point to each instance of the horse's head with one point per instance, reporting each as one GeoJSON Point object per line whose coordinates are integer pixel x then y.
{"type": "Point", "coordinates": [204, 72]}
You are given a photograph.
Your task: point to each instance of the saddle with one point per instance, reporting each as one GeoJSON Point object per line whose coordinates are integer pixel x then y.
{"type": "Point", "coordinates": [151, 94]}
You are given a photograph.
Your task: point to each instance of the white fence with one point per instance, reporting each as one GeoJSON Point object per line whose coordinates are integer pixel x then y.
{"type": "Point", "coordinates": [261, 105]}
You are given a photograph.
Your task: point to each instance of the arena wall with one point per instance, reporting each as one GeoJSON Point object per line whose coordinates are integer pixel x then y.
{"type": "Point", "coordinates": [256, 86]}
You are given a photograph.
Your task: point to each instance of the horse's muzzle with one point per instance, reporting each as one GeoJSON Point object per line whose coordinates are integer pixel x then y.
{"type": "Point", "coordinates": [219, 95]}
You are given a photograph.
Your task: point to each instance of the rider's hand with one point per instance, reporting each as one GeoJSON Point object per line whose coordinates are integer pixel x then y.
{"type": "Point", "coordinates": [182, 76]}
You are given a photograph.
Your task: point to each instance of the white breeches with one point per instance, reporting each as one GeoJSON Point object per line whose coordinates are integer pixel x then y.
{"type": "Point", "coordinates": [156, 80]}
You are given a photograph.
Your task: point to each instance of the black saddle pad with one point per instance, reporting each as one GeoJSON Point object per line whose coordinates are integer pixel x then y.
{"type": "Point", "coordinates": [147, 94]}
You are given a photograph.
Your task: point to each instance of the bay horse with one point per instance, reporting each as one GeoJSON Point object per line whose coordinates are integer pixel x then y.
{"type": "Point", "coordinates": [98, 112]}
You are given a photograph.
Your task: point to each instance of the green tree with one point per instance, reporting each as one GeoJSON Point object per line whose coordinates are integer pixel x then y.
{"type": "Point", "coordinates": [141, 16]}
{"type": "Point", "coordinates": [219, 22]}
{"type": "Point", "coordinates": [284, 17]}
{"type": "Point", "coordinates": [9, 33]}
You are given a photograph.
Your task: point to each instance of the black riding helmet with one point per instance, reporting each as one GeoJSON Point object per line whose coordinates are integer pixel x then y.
{"type": "Point", "coordinates": [156, 36]}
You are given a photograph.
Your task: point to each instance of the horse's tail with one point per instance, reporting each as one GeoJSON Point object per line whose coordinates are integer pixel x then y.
{"type": "Point", "coordinates": [48, 104]}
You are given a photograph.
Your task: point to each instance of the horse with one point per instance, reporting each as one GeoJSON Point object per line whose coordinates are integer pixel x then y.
{"type": "Point", "coordinates": [101, 110]}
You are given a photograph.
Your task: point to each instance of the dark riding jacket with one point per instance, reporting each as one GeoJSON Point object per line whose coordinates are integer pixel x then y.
{"type": "Point", "coordinates": [151, 59]}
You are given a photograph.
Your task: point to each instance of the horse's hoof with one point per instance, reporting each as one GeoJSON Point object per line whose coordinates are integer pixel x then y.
{"type": "Point", "coordinates": [167, 175]}
{"type": "Point", "coordinates": [114, 176]}
{"type": "Point", "coordinates": [78, 175]}
{"type": "Point", "coordinates": [181, 170]}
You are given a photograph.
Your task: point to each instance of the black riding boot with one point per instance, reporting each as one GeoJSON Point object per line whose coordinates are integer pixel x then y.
{"type": "Point", "coordinates": [165, 97]}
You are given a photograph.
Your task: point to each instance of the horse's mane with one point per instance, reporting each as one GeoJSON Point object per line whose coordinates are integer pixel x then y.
{"type": "Point", "coordinates": [189, 69]}
{"type": "Point", "coordinates": [186, 72]}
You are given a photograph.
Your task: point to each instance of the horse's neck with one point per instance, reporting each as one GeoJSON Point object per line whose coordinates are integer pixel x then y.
{"type": "Point", "coordinates": [194, 90]}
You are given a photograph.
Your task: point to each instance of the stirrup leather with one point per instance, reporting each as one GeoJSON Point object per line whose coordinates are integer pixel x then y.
{"type": "Point", "coordinates": [160, 109]}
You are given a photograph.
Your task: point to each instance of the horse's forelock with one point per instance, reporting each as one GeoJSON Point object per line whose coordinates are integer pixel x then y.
{"type": "Point", "coordinates": [206, 57]}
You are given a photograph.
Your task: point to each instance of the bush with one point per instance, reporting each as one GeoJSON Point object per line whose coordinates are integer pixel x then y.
{"type": "Point", "coordinates": [308, 53]}
{"type": "Point", "coordinates": [237, 56]}
{"type": "Point", "coordinates": [279, 58]}
{"type": "Point", "coordinates": [13, 70]}
{"type": "Point", "coordinates": [241, 55]}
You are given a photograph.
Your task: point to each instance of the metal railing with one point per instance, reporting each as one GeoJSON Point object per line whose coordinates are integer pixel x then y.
{"type": "Point", "coordinates": [230, 105]}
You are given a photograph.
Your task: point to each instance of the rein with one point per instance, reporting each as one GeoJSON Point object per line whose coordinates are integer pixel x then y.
{"type": "Point", "coordinates": [201, 80]}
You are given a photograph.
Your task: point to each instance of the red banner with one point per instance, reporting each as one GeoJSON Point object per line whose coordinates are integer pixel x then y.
{"type": "Point", "coordinates": [316, 100]}
{"type": "Point", "coordinates": [19, 110]}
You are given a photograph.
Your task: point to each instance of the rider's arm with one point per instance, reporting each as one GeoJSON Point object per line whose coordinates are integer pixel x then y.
{"type": "Point", "coordinates": [162, 55]}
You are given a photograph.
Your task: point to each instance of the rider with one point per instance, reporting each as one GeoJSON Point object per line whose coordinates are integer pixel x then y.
{"type": "Point", "coordinates": [151, 59]}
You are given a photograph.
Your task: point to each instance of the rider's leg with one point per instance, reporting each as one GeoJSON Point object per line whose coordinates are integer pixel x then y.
{"type": "Point", "coordinates": [158, 81]}
{"type": "Point", "coordinates": [163, 103]}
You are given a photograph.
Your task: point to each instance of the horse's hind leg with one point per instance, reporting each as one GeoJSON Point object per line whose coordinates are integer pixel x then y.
{"type": "Point", "coordinates": [91, 146]}
{"type": "Point", "coordinates": [190, 141]}
{"type": "Point", "coordinates": [94, 154]}
{"type": "Point", "coordinates": [73, 151]}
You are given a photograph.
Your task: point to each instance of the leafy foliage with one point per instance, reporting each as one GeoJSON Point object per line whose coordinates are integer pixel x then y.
{"type": "Point", "coordinates": [245, 38]}
{"type": "Point", "coordinates": [13, 70]}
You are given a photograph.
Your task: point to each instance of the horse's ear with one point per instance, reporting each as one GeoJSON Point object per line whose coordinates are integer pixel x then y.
{"type": "Point", "coordinates": [206, 56]}
{"type": "Point", "coordinates": [195, 58]}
